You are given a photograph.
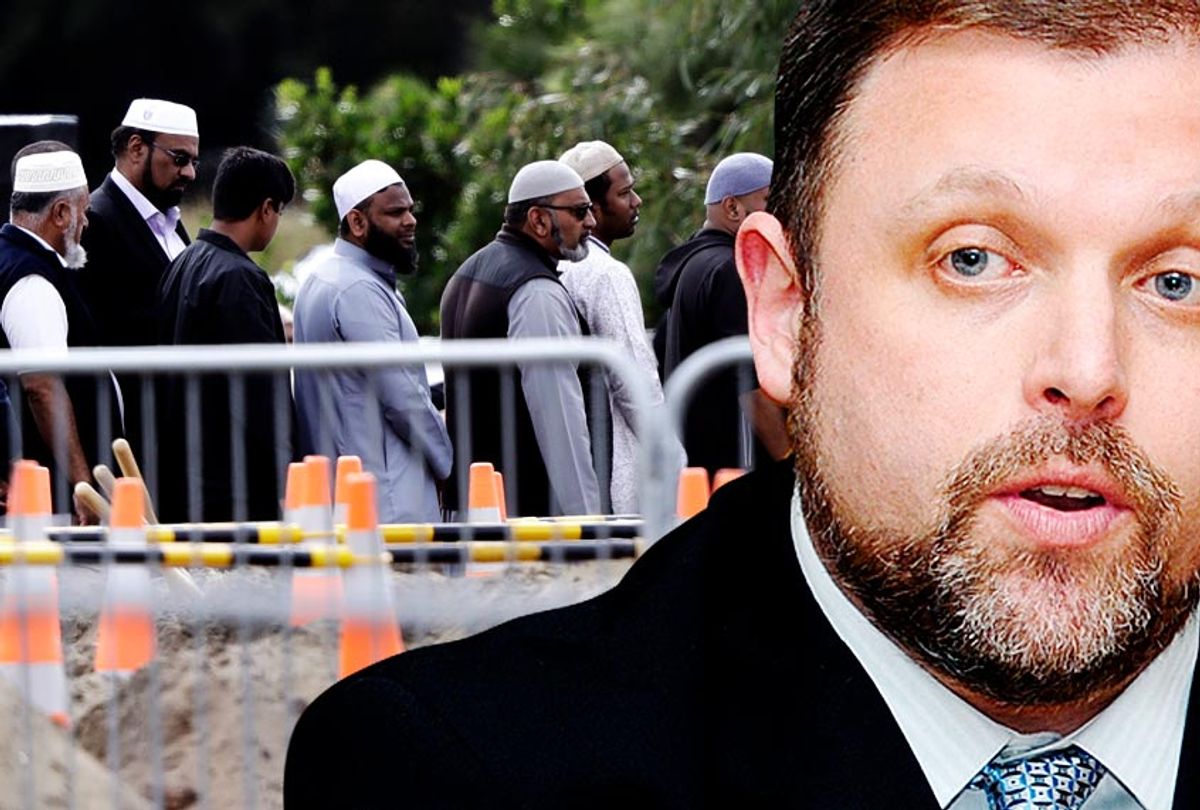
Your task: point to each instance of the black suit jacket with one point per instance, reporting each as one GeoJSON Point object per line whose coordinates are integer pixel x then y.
{"type": "Point", "coordinates": [707, 678]}
{"type": "Point", "coordinates": [120, 283]}
{"type": "Point", "coordinates": [124, 268]}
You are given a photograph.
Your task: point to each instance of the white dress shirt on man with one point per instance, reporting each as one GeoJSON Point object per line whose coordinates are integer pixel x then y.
{"type": "Point", "coordinates": [161, 223]}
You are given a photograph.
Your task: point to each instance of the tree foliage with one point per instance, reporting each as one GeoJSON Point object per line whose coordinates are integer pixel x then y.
{"type": "Point", "coordinates": [673, 86]}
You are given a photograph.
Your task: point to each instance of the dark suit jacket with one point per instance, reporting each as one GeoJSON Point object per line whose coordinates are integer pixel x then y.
{"type": "Point", "coordinates": [120, 283]}
{"type": "Point", "coordinates": [707, 678]}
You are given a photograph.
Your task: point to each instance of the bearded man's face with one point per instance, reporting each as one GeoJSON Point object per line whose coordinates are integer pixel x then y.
{"type": "Point", "coordinates": [996, 408]}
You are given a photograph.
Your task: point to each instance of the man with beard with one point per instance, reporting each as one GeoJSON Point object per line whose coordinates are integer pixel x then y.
{"type": "Point", "coordinates": [134, 231]}
{"type": "Point", "coordinates": [606, 294]}
{"type": "Point", "coordinates": [214, 293]}
{"type": "Point", "coordinates": [977, 291]}
{"type": "Point", "coordinates": [41, 308]}
{"type": "Point", "coordinates": [511, 288]}
{"type": "Point", "coordinates": [384, 416]}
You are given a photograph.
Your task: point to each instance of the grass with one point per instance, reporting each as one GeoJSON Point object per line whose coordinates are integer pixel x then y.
{"type": "Point", "coordinates": [298, 233]}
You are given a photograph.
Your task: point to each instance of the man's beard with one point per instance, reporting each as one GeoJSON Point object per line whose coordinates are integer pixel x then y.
{"type": "Point", "coordinates": [162, 199]}
{"type": "Point", "coordinates": [575, 254]}
{"type": "Point", "coordinates": [75, 256]}
{"type": "Point", "coordinates": [1029, 627]}
{"type": "Point", "coordinates": [403, 258]}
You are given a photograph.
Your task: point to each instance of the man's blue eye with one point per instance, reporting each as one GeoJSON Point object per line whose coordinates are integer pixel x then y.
{"type": "Point", "coordinates": [1174, 286]}
{"type": "Point", "coordinates": [969, 261]}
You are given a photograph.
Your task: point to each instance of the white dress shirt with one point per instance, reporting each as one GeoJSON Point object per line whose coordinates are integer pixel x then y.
{"type": "Point", "coordinates": [33, 315]}
{"type": "Point", "coordinates": [1137, 738]}
{"type": "Point", "coordinates": [161, 223]}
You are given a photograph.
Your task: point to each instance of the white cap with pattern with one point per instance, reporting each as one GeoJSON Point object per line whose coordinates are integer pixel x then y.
{"type": "Point", "coordinates": [49, 171]}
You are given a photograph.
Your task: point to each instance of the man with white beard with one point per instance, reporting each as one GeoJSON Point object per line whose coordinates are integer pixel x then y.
{"type": "Point", "coordinates": [511, 288]}
{"type": "Point", "coordinates": [41, 308]}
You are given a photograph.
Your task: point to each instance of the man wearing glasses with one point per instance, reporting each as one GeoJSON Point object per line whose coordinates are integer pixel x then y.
{"type": "Point", "coordinates": [511, 288]}
{"type": "Point", "coordinates": [134, 230]}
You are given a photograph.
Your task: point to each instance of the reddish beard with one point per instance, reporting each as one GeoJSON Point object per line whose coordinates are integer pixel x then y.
{"type": "Point", "coordinates": [1027, 627]}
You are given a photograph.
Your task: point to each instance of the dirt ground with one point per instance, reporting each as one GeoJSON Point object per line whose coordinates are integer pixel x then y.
{"type": "Point", "coordinates": [207, 724]}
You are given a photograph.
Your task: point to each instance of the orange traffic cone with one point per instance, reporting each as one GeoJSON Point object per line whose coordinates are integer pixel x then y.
{"type": "Point", "coordinates": [483, 503]}
{"type": "Point", "coordinates": [315, 592]}
{"type": "Point", "coordinates": [725, 475]}
{"type": "Point", "coordinates": [31, 656]}
{"type": "Point", "coordinates": [369, 629]}
{"type": "Point", "coordinates": [293, 492]}
{"type": "Point", "coordinates": [500, 499]}
{"type": "Point", "coordinates": [692, 495]}
{"type": "Point", "coordinates": [346, 466]}
{"type": "Point", "coordinates": [126, 640]}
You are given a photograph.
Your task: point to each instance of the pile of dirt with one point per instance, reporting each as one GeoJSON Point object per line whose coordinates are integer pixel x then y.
{"type": "Point", "coordinates": [42, 767]}
{"type": "Point", "coordinates": [207, 724]}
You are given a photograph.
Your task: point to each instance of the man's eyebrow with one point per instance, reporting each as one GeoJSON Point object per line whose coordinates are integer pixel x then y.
{"type": "Point", "coordinates": [964, 180]}
{"type": "Point", "coordinates": [1187, 203]}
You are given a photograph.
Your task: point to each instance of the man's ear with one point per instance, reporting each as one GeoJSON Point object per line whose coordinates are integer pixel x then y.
{"type": "Point", "coordinates": [357, 222]}
{"type": "Point", "coordinates": [537, 222]}
{"type": "Point", "coordinates": [60, 213]}
{"type": "Point", "coordinates": [136, 147]}
{"type": "Point", "coordinates": [774, 298]}
{"type": "Point", "coordinates": [732, 209]}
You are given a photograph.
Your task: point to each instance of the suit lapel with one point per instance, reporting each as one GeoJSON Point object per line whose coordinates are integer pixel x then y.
{"type": "Point", "coordinates": [832, 742]}
{"type": "Point", "coordinates": [859, 757]}
{"type": "Point", "coordinates": [127, 219]}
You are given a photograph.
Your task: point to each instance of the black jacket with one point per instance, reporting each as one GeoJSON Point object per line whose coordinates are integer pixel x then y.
{"type": "Point", "coordinates": [120, 283]}
{"type": "Point", "coordinates": [214, 293]}
{"type": "Point", "coordinates": [699, 281]}
{"type": "Point", "coordinates": [708, 677]}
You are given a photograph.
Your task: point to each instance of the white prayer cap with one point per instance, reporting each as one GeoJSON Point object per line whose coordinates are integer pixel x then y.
{"type": "Point", "coordinates": [591, 158]}
{"type": "Point", "coordinates": [167, 117]}
{"type": "Point", "coordinates": [543, 178]}
{"type": "Point", "coordinates": [361, 182]}
{"type": "Point", "coordinates": [49, 171]}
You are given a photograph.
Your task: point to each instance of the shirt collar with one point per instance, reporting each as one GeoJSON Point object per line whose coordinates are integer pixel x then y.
{"type": "Point", "coordinates": [43, 243]}
{"type": "Point", "coordinates": [221, 241]}
{"type": "Point", "coordinates": [594, 242]}
{"type": "Point", "coordinates": [144, 207]}
{"type": "Point", "coordinates": [352, 252]}
{"type": "Point", "coordinates": [1138, 737]}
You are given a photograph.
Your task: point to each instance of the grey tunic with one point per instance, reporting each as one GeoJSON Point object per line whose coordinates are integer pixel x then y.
{"type": "Point", "coordinates": [541, 308]}
{"type": "Point", "coordinates": [383, 416]}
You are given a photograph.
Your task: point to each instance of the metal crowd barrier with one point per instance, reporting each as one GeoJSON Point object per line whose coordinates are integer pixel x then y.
{"type": "Point", "coordinates": [205, 723]}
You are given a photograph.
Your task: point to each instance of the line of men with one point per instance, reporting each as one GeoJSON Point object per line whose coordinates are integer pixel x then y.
{"type": "Point", "coordinates": [221, 442]}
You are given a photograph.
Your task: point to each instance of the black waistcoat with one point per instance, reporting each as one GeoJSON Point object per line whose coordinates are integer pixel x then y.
{"type": "Point", "coordinates": [96, 415]}
{"type": "Point", "coordinates": [475, 305]}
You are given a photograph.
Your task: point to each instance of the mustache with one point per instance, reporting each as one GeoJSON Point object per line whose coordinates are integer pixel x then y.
{"type": "Point", "coordinates": [1153, 493]}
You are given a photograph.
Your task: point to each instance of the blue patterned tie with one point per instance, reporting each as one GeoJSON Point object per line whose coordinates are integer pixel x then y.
{"type": "Point", "coordinates": [1055, 780]}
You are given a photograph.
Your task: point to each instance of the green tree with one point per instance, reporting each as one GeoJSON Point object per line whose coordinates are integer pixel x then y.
{"type": "Point", "coordinates": [674, 86]}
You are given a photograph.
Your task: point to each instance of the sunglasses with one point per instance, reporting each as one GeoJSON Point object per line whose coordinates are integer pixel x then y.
{"type": "Point", "coordinates": [580, 211]}
{"type": "Point", "coordinates": [180, 159]}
